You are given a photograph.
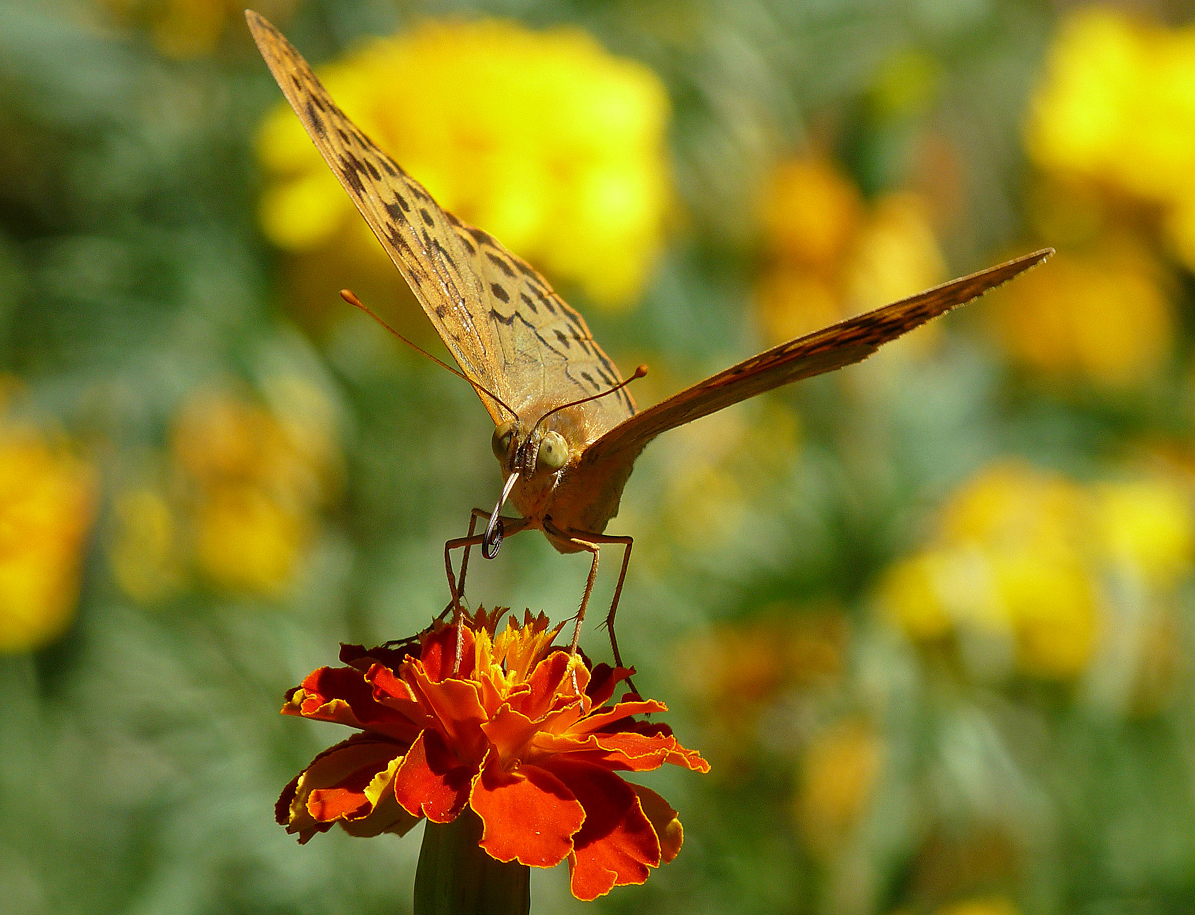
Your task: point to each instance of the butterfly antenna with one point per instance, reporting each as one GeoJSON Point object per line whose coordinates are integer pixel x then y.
{"type": "Point", "coordinates": [349, 297]}
{"type": "Point", "coordinates": [638, 373]}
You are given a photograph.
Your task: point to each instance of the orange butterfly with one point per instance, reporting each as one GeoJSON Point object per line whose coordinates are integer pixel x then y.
{"type": "Point", "coordinates": [567, 432]}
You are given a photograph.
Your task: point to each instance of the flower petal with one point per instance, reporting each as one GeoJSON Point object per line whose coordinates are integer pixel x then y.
{"type": "Point", "coordinates": [615, 714]}
{"type": "Point", "coordinates": [603, 680]}
{"type": "Point", "coordinates": [341, 694]}
{"type": "Point", "coordinates": [456, 706]}
{"type": "Point", "coordinates": [509, 732]}
{"type": "Point", "coordinates": [528, 814]}
{"type": "Point", "coordinates": [546, 682]}
{"type": "Point", "coordinates": [336, 786]}
{"type": "Point", "coordinates": [617, 845]}
{"type": "Point", "coordinates": [431, 781]}
{"type": "Point", "coordinates": [439, 652]}
{"type": "Point", "coordinates": [664, 821]}
{"type": "Point", "coordinates": [641, 747]}
{"type": "Point", "coordinates": [647, 747]}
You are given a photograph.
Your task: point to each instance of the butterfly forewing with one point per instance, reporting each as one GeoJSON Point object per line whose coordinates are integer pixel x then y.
{"type": "Point", "coordinates": [504, 325]}
{"type": "Point", "coordinates": [543, 342]}
{"type": "Point", "coordinates": [836, 346]}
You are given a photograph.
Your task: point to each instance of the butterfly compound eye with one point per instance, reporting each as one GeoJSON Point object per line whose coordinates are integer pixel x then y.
{"type": "Point", "coordinates": [503, 435]}
{"type": "Point", "coordinates": [553, 451]}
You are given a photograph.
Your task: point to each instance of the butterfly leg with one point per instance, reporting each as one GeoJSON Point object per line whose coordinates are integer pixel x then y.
{"type": "Point", "coordinates": [592, 543]}
{"type": "Point", "coordinates": [513, 526]}
{"type": "Point", "coordinates": [456, 585]}
{"type": "Point", "coordinates": [458, 593]}
{"type": "Point", "coordinates": [627, 543]}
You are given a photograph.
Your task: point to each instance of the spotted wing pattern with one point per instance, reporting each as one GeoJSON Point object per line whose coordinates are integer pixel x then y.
{"type": "Point", "coordinates": [833, 347]}
{"type": "Point", "coordinates": [506, 328]}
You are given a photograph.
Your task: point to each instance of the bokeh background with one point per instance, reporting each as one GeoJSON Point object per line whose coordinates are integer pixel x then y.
{"type": "Point", "coordinates": [930, 618]}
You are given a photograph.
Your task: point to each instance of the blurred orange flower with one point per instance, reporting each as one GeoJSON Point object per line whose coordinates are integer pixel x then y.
{"type": "Point", "coordinates": [544, 139]}
{"type": "Point", "coordinates": [839, 773]}
{"type": "Point", "coordinates": [47, 506]}
{"type": "Point", "coordinates": [523, 735]}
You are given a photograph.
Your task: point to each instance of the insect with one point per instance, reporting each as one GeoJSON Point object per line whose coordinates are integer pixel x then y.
{"type": "Point", "coordinates": [567, 432]}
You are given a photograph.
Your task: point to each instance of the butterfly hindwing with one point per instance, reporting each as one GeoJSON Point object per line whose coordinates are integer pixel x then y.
{"type": "Point", "coordinates": [832, 348]}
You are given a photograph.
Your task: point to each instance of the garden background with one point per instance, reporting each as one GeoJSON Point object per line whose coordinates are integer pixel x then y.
{"type": "Point", "coordinates": [929, 618]}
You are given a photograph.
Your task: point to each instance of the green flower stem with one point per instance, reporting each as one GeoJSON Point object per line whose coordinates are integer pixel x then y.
{"type": "Point", "coordinates": [455, 877]}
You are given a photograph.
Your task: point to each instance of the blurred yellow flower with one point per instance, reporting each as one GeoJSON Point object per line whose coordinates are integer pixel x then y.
{"type": "Point", "coordinates": [247, 540]}
{"type": "Point", "coordinates": [47, 505]}
{"type": "Point", "coordinates": [839, 773]}
{"type": "Point", "coordinates": [1103, 316]}
{"type": "Point", "coordinates": [811, 213]}
{"type": "Point", "coordinates": [255, 477]}
{"type": "Point", "coordinates": [1034, 558]}
{"type": "Point", "coordinates": [1147, 525]}
{"type": "Point", "coordinates": [831, 254]}
{"type": "Point", "coordinates": [237, 497]}
{"type": "Point", "coordinates": [1117, 108]}
{"type": "Point", "coordinates": [544, 139]}
{"type": "Point", "coordinates": [145, 552]}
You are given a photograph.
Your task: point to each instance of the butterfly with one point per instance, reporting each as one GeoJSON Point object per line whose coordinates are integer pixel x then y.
{"type": "Point", "coordinates": [567, 432]}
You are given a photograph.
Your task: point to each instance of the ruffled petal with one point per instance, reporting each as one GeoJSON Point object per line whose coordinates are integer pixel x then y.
{"type": "Point", "coordinates": [509, 732]}
{"type": "Point", "coordinates": [336, 786]}
{"type": "Point", "coordinates": [617, 844]}
{"type": "Point", "coordinates": [341, 694]}
{"type": "Point", "coordinates": [528, 814]}
{"type": "Point", "coordinates": [547, 686]}
{"type": "Point", "coordinates": [455, 705]}
{"type": "Point", "coordinates": [616, 713]}
{"type": "Point", "coordinates": [337, 694]}
{"type": "Point", "coordinates": [431, 781]}
{"type": "Point", "coordinates": [664, 821]}
{"type": "Point", "coordinates": [603, 680]}
{"type": "Point", "coordinates": [641, 752]}
{"type": "Point", "coordinates": [438, 652]}
{"type": "Point", "coordinates": [387, 815]}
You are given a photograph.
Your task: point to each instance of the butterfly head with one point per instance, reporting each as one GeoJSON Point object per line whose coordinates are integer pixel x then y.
{"type": "Point", "coordinates": [539, 456]}
{"type": "Point", "coordinates": [543, 450]}
{"type": "Point", "coordinates": [536, 457]}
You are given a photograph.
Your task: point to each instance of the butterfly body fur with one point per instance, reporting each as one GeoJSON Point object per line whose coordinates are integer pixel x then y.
{"type": "Point", "coordinates": [521, 344]}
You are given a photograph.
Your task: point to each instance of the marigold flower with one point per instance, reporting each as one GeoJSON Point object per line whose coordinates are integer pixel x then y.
{"type": "Point", "coordinates": [523, 735]}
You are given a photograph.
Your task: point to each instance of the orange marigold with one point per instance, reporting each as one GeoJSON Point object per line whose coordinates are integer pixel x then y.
{"type": "Point", "coordinates": [523, 734]}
